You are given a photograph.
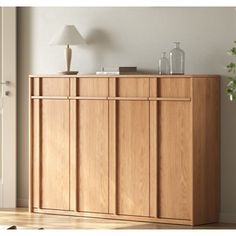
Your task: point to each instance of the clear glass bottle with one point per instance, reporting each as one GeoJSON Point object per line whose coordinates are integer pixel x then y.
{"type": "Point", "coordinates": [163, 65]}
{"type": "Point", "coordinates": [177, 57]}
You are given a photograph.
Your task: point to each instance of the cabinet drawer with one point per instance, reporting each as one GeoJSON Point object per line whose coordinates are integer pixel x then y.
{"type": "Point", "coordinates": [129, 87]}
{"type": "Point", "coordinates": [170, 87]}
{"type": "Point", "coordinates": [90, 87]}
{"type": "Point", "coordinates": [56, 87]}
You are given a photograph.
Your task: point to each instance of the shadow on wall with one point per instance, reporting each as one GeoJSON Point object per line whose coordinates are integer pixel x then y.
{"type": "Point", "coordinates": [24, 47]}
{"type": "Point", "coordinates": [228, 155]}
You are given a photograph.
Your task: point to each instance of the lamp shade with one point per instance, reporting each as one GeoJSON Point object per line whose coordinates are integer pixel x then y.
{"type": "Point", "coordinates": [69, 35]}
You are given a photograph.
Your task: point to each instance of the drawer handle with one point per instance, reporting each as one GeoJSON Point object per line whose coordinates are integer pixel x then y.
{"type": "Point", "coordinates": [129, 98]}
{"type": "Point", "coordinates": [87, 98]}
{"type": "Point", "coordinates": [50, 97]}
{"type": "Point", "coordinates": [169, 99]}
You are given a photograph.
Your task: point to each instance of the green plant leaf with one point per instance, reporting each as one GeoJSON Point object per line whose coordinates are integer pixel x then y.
{"type": "Point", "coordinates": [231, 67]}
{"type": "Point", "coordinates": [232, 51]}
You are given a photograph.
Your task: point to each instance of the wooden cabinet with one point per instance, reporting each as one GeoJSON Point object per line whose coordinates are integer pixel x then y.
{"type": "Point", "coordinates": [128, 147]}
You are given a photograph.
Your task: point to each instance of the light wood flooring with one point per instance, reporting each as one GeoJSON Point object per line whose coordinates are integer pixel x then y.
{"type": "Point", "coordinates": [22, 218]}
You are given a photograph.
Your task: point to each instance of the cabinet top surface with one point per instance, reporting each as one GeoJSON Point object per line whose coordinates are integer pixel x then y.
{"type": "Point", "coordinates": [125, 76]}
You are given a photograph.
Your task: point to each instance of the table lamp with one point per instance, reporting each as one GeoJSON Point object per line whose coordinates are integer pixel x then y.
{"type": "Point", "coordinates": [69, 35]}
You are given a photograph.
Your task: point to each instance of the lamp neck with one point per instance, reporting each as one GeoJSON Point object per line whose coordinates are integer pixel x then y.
{"type": "Point", "coordinates": [68, 55]}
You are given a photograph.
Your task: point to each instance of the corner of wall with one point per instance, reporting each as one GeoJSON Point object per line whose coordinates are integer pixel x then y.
{"type": "Point", "coordinates": [22, 202]}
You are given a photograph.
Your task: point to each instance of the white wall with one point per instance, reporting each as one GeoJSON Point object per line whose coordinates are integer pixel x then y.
{"type": "Point", "coordinates": [130, 37]}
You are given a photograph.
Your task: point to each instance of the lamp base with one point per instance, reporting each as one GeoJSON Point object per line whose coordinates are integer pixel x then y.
{"type": "Point", "coordinates": [69, 72]}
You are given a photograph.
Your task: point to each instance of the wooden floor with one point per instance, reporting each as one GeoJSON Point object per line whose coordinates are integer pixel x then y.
{"type": "Point", "coordinates": [21, 218]}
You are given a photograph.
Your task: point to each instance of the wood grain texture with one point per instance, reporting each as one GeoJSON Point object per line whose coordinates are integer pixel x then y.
{"type": "Point", "coordinates": [153, 208]}
{"type": "Point", "coordinates": [174, 152]}
{"type": "Point", "coordinates": [173, 87]}
{"type": "Point", "coordinates": [95, 87]}
{"type": "Point", "coordinates": [93, 156]}
{"type": "Point", "coordinates": [133, 157]}
{"type": "Point", "coordinates": [169, 99]}
{"type": "Point", "coordinates": [132, 87]}
{"type": "Point", "coordinates": [35, 152]}
{"type": "Point", "coordinates": [50, 97]}
{"type": "Point", "coordinates": [112, 150]}
{"type": "Point", "coordinates": [87, 98]}
{"type": "Point", "coordinates": [129, 98]}
{"type": "Point", "coordinates": [35, 143]}
{"type": "Point", "coordinates": [206, 150]}
{"type": "Point", "coordinates": [54, 87]}
{"type": "Point", "coordinates": [35, 87]}
{"type": "Point", "coordinates": [31, 161]}
{"type": "Point", "coordinates": [73, 146]}
{"type": "Point", "coordinates": [55, 155]}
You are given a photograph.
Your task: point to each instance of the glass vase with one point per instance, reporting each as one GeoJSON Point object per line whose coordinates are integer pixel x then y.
{"type": "Point", "coordinates": [163, 65]}
{"type": "Point", "coordinates": [177, 57]}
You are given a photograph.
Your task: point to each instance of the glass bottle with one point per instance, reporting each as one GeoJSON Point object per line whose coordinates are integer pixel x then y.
{"type": "Point", "coordinates": [177, 58]}
{"type": "Point", "coordinates": [163, 65]}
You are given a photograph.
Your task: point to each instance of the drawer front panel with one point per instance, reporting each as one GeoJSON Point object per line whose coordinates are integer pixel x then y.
{"type": "Point", "coordinates": [131, 87]}
{"type": "Point", "coordinates": [92, 87]}
{"type": "Point", "coordinates": [50, 87]}
{"type": "Point", "coordinates": [170, 87]}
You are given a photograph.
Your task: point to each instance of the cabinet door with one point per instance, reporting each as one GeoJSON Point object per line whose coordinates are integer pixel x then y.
{"type": "Point", "coordinates": [129, 114]}
{"type": "Point", "coordinates": [174, 145]}
{"type": "Point", "coordinates": [55, 154]}
{"type": "Point", "coordinates": [175, 158]}
{"type": "Point", "coordinates": [51, 144]}
{"type": "Point", "coordinates": [133, 157]}
{"type": "Point", "coordinates": [93, 156]}
{"type": "Point", "coordinates": [92, 144]}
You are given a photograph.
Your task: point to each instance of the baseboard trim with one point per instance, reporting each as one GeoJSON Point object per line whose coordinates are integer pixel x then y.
{"type": "Point", "coordinates": [228, 217]}
{"type": "Point", "coordinates": [22, 202]}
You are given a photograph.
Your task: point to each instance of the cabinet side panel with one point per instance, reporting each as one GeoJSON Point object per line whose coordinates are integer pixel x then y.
{"type": "Point", "coordinates": [206, 149]}
{"type": "Point", "coordinates": [93, 156]}
{"type": "Point", "coordinates": [36, 152]}
{"type": "Point", "coordinates": [174, 152]}
{"type": "Point", "coordinates": [133, 158]}
{"type": "Point", "coordinates": [55, 154]}
{"type": "Point", "coordinates": [34, 142]}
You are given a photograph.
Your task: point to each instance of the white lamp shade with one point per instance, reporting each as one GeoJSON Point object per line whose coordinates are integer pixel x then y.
{"type": "Point", "coordinates": [69, 35]}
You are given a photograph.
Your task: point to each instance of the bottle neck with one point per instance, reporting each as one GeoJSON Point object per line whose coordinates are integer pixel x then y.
{"type": "Point", "coordinates": [177, 44]}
